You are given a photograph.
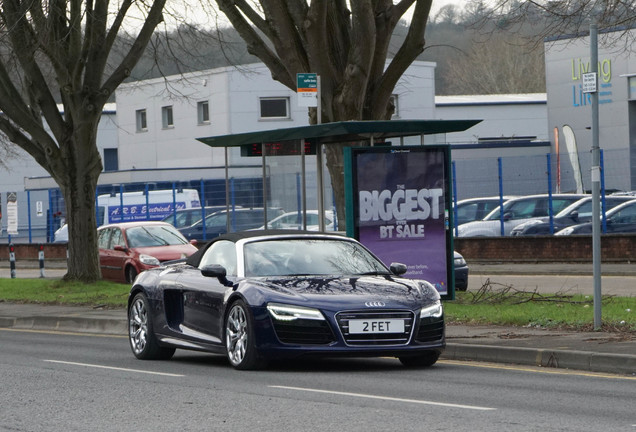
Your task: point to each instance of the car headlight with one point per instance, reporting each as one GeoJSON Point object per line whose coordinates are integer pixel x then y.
{"type": "Point", "coordinates": [432, 311]}
{"type": "Point", "coordinates": [289, 313]}
{"type": "Point", "coordinates": [460, 262]}
{"type": "Point", "coordinates": [148, 260]}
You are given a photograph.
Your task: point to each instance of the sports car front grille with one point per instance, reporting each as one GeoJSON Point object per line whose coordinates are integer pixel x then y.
{"type": "Point", "coordinates": [403, 338]}
{"type": "Point", "coordinates": [304, 332]}
{"type": "Point", "coordinates": [430, 330]}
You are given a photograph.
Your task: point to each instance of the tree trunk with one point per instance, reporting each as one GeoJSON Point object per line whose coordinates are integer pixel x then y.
{"type": "Point", "coordinates": [78, 186]}
{"type": "Point", "coordinates": [83, 257]}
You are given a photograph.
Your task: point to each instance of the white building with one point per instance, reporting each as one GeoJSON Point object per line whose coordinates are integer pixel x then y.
{"type": "Point", "coordinates": [151, 136]}
{"type": "Point", "coordinates": [506, 118]}
{"type": "Point", "coordinates": [160, 119]}
{"type": "Point", "coordinates": [567, 59]}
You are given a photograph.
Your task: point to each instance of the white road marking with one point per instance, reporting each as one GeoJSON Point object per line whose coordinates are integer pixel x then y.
{"type": "Point", "coordinates": [387, 398]}
{"type": "Point", "coordinates": [113, 368]}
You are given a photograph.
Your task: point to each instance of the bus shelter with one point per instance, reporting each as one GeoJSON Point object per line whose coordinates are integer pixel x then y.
{"type": "Point", "coordinates": [310, 140]}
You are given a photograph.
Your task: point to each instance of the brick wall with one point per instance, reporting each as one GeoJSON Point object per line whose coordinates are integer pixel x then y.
{"type": "Point", "coordinates": [614, 248]}
{"type": "Point", "coordinates": [30, 251]}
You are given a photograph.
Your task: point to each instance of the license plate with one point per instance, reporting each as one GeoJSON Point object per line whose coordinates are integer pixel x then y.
{"type": "Point", "coordinates": [376, 326]}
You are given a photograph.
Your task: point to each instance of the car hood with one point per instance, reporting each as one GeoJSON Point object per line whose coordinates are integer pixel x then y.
{"type": "Point", "coordinates": [167, 253]}
{"type": "Point", "coordinates": [392, 291]}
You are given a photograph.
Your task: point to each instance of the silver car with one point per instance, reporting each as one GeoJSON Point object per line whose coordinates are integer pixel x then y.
{"type": "Point", "coordinates": [515, 212]}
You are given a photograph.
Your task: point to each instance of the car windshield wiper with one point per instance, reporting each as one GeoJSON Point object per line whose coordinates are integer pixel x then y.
{"type": "Point", "coordinates": [375, 273]}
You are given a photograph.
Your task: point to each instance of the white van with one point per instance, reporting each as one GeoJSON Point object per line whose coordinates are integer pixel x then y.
{"type": "Point", "coordinates": [139, 206]}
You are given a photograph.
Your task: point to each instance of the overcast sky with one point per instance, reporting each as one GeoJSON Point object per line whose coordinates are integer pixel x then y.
{"type": "Point", "coordinates": [437, 4]}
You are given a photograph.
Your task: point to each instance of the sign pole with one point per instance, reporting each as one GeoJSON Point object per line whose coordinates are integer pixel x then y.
{"type": "Point", "coordinates": [596, 180]}
{"type": "Point", "coordinates": [319, 177]}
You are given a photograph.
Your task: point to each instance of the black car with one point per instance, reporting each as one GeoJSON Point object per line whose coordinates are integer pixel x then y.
{"type": "Point", "coordinates": [461, 272]}
{"type": "Point", "coordinates": [574, 214]}
{"type": "Point", "coordinates": [620, 219]}
{"type": "Point", "coordinates": [257, 296]}
{"type": "Point", "coordinates": [240, 219]}
{"type": "Point", "coordinates": [186, 217]}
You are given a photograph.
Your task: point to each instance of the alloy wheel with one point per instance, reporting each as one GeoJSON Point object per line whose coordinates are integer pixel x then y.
{"type": "Point", "coordinates": [138, 326]}
{"type": "Point", "coordinates": [236, 335]}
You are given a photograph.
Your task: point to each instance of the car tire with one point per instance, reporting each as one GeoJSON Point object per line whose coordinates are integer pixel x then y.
{"type": "Point", "coordinates": [131, 274]}
{"type": "Point", "coordinates": [141, 336]}
{"type": "Point", "coordinates": [420, 361]}
{"type": "Point", "coordinates": [239, 338]}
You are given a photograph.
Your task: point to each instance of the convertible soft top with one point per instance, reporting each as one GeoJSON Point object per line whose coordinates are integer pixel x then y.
{"type": "Point", "coordinates": [195, 258]}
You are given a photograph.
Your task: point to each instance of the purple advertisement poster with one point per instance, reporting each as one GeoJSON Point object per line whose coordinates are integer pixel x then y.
{"type": "Point", "coordinates": [400, 200]}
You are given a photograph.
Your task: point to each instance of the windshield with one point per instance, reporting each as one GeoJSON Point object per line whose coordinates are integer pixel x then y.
{"type": "Point", "coordinates": [148, 236]}
{"type": "Point", "coordinates": [309, 257]}
{"type": "Point", "coordinates": [494, 215]}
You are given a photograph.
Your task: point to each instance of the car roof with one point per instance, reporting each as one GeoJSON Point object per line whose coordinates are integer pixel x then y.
{"type": "Point", "coordinates": [126, 225]}
{"type": "Point", "coordinates": [620, 207]}
{"type": "Point", "coordinates": [488, 198]}
{"type": "Point", "coordinates": [561, 195]}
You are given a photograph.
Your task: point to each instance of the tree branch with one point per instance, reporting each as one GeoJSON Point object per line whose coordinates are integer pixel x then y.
{"type": "Point", "coordinates": [412, 46]}
{"type": "Point", "coordinates": [256, 45]}
{"type": "Point", "coordinates": [122, 71]}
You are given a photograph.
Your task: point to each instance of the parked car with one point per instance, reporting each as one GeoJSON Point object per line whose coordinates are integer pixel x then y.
{"type": "Point", "coordinates": [515, 212]}
{"type": "Point", "coordinates": [255, 297]}
{"type": "Point", "coordinates": [294, 221]}
{"type": "Point", "coordinates": [129, 248]}
{"type": "Point", "coordinates": [576, 213]}
{"type": "Point", "coordinates": [474, 209]}
{"type": "Point", "coordinates": [61, 234]}
{"type": "Point", "coordinates": [186, 217]}
{"type": "Point", "coordinates": [620, 219]}
{"type": "Point", "coordinates": [241, 219]}
{"type": "Point", "coordinates": [461, 272]}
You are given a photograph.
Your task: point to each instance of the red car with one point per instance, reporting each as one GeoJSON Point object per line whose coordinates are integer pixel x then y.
{"type": "Point", "coordinates": [126, 249]}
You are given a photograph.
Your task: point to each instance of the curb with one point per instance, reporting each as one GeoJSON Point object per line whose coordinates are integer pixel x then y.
{"type": "Point", "coordinates": [558, 359]}
{"type": "Point", "coordinates": [106, 326]}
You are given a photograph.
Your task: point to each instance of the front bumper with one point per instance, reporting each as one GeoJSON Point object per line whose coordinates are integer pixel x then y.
{"type": "Point", "coordinates": [328, 338]}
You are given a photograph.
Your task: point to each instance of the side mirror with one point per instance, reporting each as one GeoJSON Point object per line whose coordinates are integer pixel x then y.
{"type": "Point", "coordinates": [575, 215]}
{"type": "Point", "coordinates": [507, 216]}
{"type": "Point", "coordinates": [398, 269]}
{"type": "Point", "coordinates": [194, 242]}
{"type": "Point", "coordinates": [217, 271]}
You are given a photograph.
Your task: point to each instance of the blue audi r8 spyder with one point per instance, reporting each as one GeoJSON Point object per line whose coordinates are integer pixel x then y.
{"type": "Point", "coordinates": [259, 296]}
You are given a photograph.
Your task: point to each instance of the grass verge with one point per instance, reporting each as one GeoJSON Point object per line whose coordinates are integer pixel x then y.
{"type": "Point", "coordinates": [55, 291]}
{"type": "Point", "coordinates": [487, 306]}
{"type": "Point", "coordinates": [535, 310]}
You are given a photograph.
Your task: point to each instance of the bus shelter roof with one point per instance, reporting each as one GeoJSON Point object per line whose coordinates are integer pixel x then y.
{"type": "Point", "coordinates": [331, 133]}
{"type": "Point", "coordinates": [341, 132]}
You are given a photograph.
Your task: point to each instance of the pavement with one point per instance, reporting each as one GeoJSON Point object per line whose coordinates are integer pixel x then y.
{"type": "Point", "coordinates": [605, 352]}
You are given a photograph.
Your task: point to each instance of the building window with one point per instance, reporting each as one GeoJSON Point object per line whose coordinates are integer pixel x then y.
{"type": "Point", "coordinates": [396, 111]}
{"type": "Point", "coordinates": [632, 87]}
{"type": "Point", "coordinates": [203, 112]}
{"type": "Point", "coordinates": [166, 117]}
{"type": "Point", "coordinates": [274, 108]}
{"type": "Point", "coordinates": [111, 161]}
{"type": "Point", "coordinates": [142, 124]}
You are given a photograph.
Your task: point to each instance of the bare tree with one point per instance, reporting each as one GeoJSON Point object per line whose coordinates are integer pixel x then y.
{"type": "Point", "coordinates": [559, 17]}
{"type": "Point", "coordinates": [502, 64]}
{"type": "Point", "coordinates": [60, 48]}
{"type": "Point", "coordinates": [345, 42]}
